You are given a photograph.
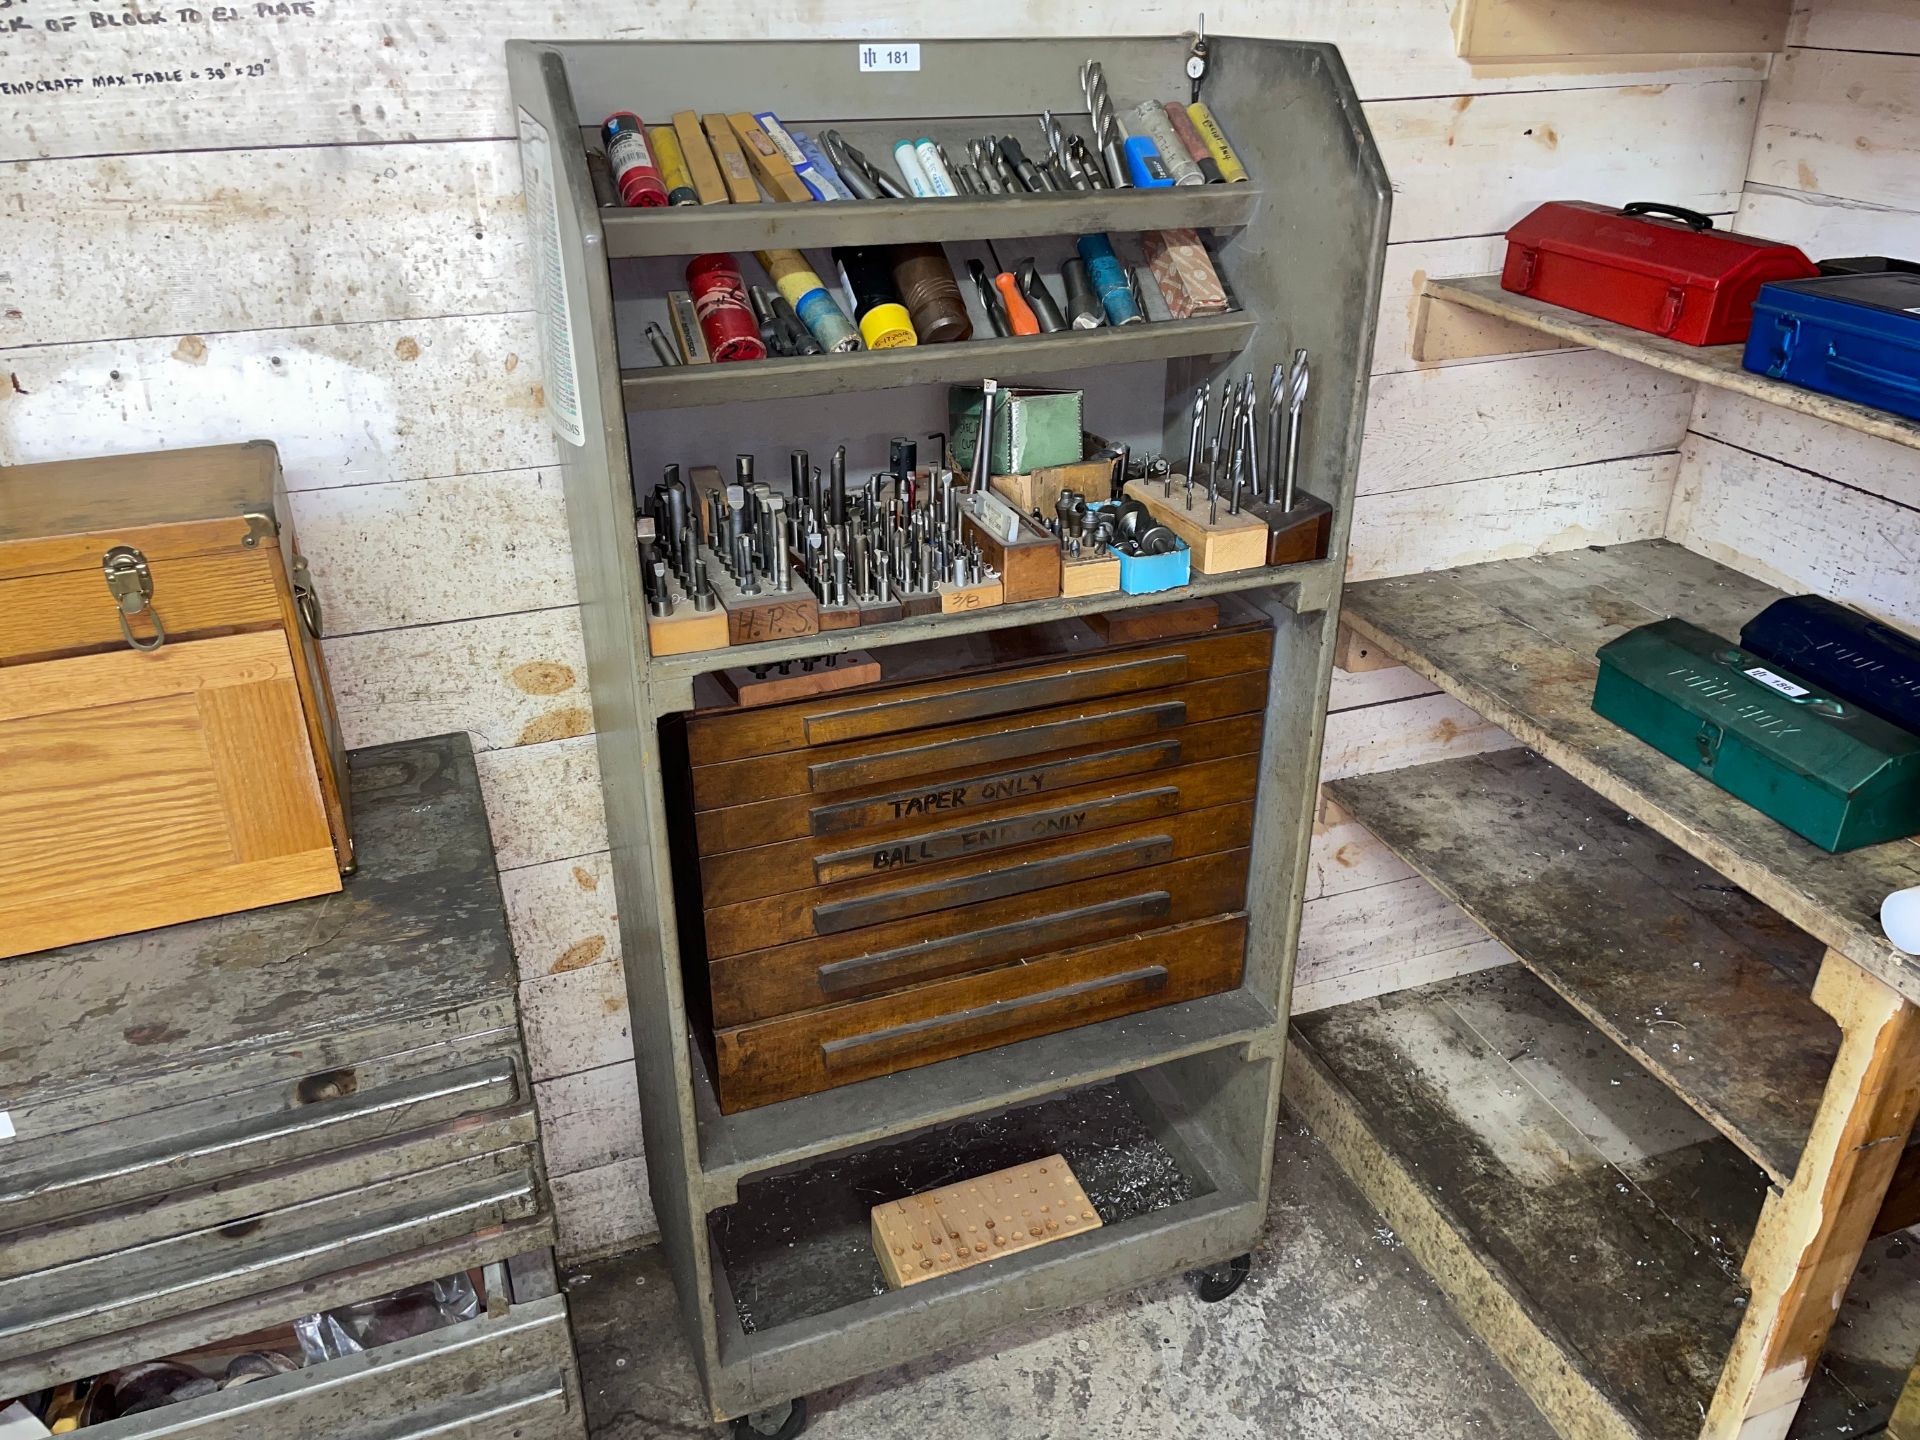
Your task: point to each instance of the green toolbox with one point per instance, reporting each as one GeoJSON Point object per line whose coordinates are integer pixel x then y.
{"type": "Point", "coordinates": [1031, 428]}
{"type": "Point", "coordinates": [1824, 768]}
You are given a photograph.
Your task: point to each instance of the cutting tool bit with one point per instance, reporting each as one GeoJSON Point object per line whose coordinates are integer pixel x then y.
{"type": "Point", "coordinates": [662, 346]}
{"type": "Point", "coordinates": [1107, 134]}
{"type": "Point", "coordinates": [1296, 397]}
{"type": "Point", "coordinates": [989, 298]}
{"type": "Point", "coordinates": [1020, 316]}
{"type": "Point", "coordinates": [1197, 434]}
{"type": "Point", "coordinates": [1034, 286]}
{"type": "Point", "coordinates": [1276, 420]}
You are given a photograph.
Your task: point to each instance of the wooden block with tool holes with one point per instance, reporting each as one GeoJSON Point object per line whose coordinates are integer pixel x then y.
{"type": "Point", "coordinates": [1029, 564]}
{"type": "Point", "coordinates": [1223, 544]}
{"type": "Point", "coordinates": [765, 615]}
{"type": "Point", "coordinates": [955, 598]}
{"type": "Point", "coordinates": [1040, 489]}
{"type": "Point", "coordinates": [1300, 534]}
{"type": "Point", "coordinates": [686, 629]}
{"type": "Point", "coordinates": [940, 1231]}
{"type": "Point", "coordinates": [797, 679]}
{"type": "Point", "coordinates": [1096, 571]}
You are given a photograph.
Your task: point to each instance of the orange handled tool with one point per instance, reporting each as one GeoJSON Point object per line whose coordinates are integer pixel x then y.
{"type": "Point", "coordinates": [1019, 313]}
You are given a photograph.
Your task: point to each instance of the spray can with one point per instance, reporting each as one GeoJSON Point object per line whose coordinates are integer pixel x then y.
{"type": "Point", "coordinates": [720, 300]}
{"type": "Point", "coordinates": [631, 159]}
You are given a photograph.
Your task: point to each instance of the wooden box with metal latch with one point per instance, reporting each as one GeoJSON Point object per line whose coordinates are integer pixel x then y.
{"type": "Point", "coordinates": [166, 731]}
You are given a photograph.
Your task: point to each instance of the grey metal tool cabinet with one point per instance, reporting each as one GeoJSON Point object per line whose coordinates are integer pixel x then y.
{"type": "Point", "coordinates": [1301, 248]}
{"type": "Point", "coordinates": [224, 1125]}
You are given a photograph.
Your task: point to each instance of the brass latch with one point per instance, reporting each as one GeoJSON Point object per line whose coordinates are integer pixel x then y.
{"type": "Point", "coordinates": [305, 597]}
{"type": "Point", "coordinates": [130, 583]}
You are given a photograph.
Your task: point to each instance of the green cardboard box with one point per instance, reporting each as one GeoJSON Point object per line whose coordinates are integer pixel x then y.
{"type": "Point", "coordinates": [1824, 768]}
{"type": "Point", "coordinates": [1031, 428]}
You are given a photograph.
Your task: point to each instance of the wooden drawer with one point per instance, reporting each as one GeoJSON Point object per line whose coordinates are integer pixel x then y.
{"type": "Point", "coordinates": [951, 796]}
{"type": "Point", "coordinates": [800, 1054]}
{"type": "Point", "coordinates": [48, 1311]}
{"type": "Point", "coordinates": [983, 839]}
{"type": "Point", "coordinates": [834, 969]}
{"type": "Point", "coordinates": [946, 885]}
{"type": "Point", "coordinates": [510, 1378]}
{"type": "Point", "coordinates": [894, 710]}
{"type": "Point", "coordinates": [864, 766]}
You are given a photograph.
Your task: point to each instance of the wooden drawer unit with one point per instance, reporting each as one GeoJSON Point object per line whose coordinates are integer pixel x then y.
{"type": "Point", "coordinates": [892, 875]}
{"type": "Point", "coordinates": [224, 1125]}
{"type": "Point", "coordinates": [796, 1054]}
{"type": "Point", "coordinates": [166, 729]}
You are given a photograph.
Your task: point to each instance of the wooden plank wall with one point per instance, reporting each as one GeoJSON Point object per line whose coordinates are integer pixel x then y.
{"type": "Point", "coordinates": [1835, 170]}
{"type": "Point", "coordinates": [300, 219]}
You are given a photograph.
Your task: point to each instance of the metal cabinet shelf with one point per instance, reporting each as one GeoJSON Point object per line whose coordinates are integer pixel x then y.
{"type": "Point", "coordinates": [1204, 1073]}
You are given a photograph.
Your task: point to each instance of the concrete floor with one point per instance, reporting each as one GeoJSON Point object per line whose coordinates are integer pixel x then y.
{"type": "Point", "coordinates": [1336, 1335]}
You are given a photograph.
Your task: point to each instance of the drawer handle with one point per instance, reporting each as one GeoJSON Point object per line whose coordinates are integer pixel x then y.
{"type": "Point", "coordinates": [924, 802]}
{"type": "Point", "coordinates": [982, 1020]}
{"type": "Point", "coordinates": [843, 915]}
{"type": "Point", "coordinates": [904, 964]}
{"type": "Point", "coordinates": [970, 750]}
{"type": "Point", "coordinates": [980, 701]}
{"type": "Point", "coordinates": [986, 836]}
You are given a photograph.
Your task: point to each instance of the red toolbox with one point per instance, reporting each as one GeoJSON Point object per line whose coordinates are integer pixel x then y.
{"type": "Point", "coordinates": [1676, 277]}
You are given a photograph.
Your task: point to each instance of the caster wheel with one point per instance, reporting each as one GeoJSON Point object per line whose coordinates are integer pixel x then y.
{"type": "Point", "coordinates": [1217, 1282]}
{"type": "Point", "coordinates": [776, 1422]}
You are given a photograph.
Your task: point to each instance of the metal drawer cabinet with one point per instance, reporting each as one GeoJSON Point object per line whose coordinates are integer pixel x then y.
{"type": "Point", "coordinates": [225, 1125]}
{"type": "Point", "coordinates": [510, 1377]}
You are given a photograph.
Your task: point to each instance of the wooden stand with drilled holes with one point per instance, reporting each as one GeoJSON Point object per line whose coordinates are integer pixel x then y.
{"type": "Point", "coordinates": [955, 598]}
{"type": "Point", "coordinates": [1095, 572]}
{"type": "Point", "coordinates": [1302, 533]}
{"type": "Point", "coordinates": [1040, 489]}
{"type": "Point", "coordinates": [1160, 622]}
{"type": "Point", "coordinates": [769, 615]}
{"type": "Point", "coordinates": [839, 617]}
{"type": "Point", "coordinates": [940, 1231]}
{"type": "Point", "coordinates": [1225, 544]}
{"type": "Point", "coordinates": [917, 602]}
{"type": "Point", "coordinates": [796, 679]}
{"type": "Point", "coordinates": [1029, 564]}
{"type": "Point", "coordinates": [686, 629]}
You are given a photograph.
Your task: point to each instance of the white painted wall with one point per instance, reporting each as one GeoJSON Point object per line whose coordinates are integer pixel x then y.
{"type": "Point", "coordinates": [301, 220]}
{"type": "Point", "coordinates": [1835, 170]}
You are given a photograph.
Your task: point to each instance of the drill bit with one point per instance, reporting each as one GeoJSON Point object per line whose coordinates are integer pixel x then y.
{"type": "Point", "coordinates": [983, 442]}
{"type": "Point", "coordinates": [1276, 415]}
{"type": "Point", "coordinates": [662, 346]}
{"type": "Point", "coordinates": [1106, 125]}
{"type": "Point", "coordinates": [1197, 433]}
{"type": "Point", "coordinates": [1296, 397]}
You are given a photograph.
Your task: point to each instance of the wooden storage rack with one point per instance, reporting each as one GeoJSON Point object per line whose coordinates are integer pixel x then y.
{"type": "Point", "coordinates": [1715, 365]}
{"type": "Point", "coordinates": [1780, 1015]}
{"type": "Point", "coordinates": [1302, 247]}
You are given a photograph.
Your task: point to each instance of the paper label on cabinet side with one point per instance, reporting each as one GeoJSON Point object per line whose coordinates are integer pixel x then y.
{"type": "Point", "coordinates": [6, 1126]}
{"type": "Point", "coordinates": [561, 372]}
{"type": "Point", "coordinates": [896, 56]}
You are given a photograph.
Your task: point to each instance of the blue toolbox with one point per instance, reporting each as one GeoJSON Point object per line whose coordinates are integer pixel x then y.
{"type": "Point", "coordinates": [1855, 656]}
{"type": "Point", "coordinates": [1855, 336]}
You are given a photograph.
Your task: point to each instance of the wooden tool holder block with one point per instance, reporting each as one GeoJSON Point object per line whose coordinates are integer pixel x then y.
{"type": "Point", "coordinates": [769, 615]}
{"type": "Point", "coordinates": [955, 598]}
{"type": "Point", "coordinates": [1302, 533]}
{"type": "Point", "coordinates": [918, 602]}
{"type": "Point", "coordinates": [1040, 489]}
{"type": "Point", "coordinates": [797, 679]}
{"type": "Point", "coordinates": [686, 629]}
{"type": "Point", "coordinates": [1095, 572]}
{"type": "Point", "coordinates": [1029, 564]}
{"type": "Point", "coordinates": [940, 1231]}
{"type": "Point", "coordinates": [1221, 545]}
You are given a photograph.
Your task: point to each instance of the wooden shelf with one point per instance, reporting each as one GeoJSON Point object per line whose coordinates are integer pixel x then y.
{"type": "Point", "coordinates": [695, 229]}
{"type": "Point", "coordinates": [1314, 580]}
{"type": "Point", "coordinates": [1584, 1222]}
{"type": "Point", "coordinates": [1716, 365]}
{"type": "Point", "coordinates": [1516, 639]}
{"type": "Point", "coordinates": [733, 1147]}
{"type": "Point", "coordinates": [1707, 988]}
{"type": "Point", "coordinates": [666, 387]}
